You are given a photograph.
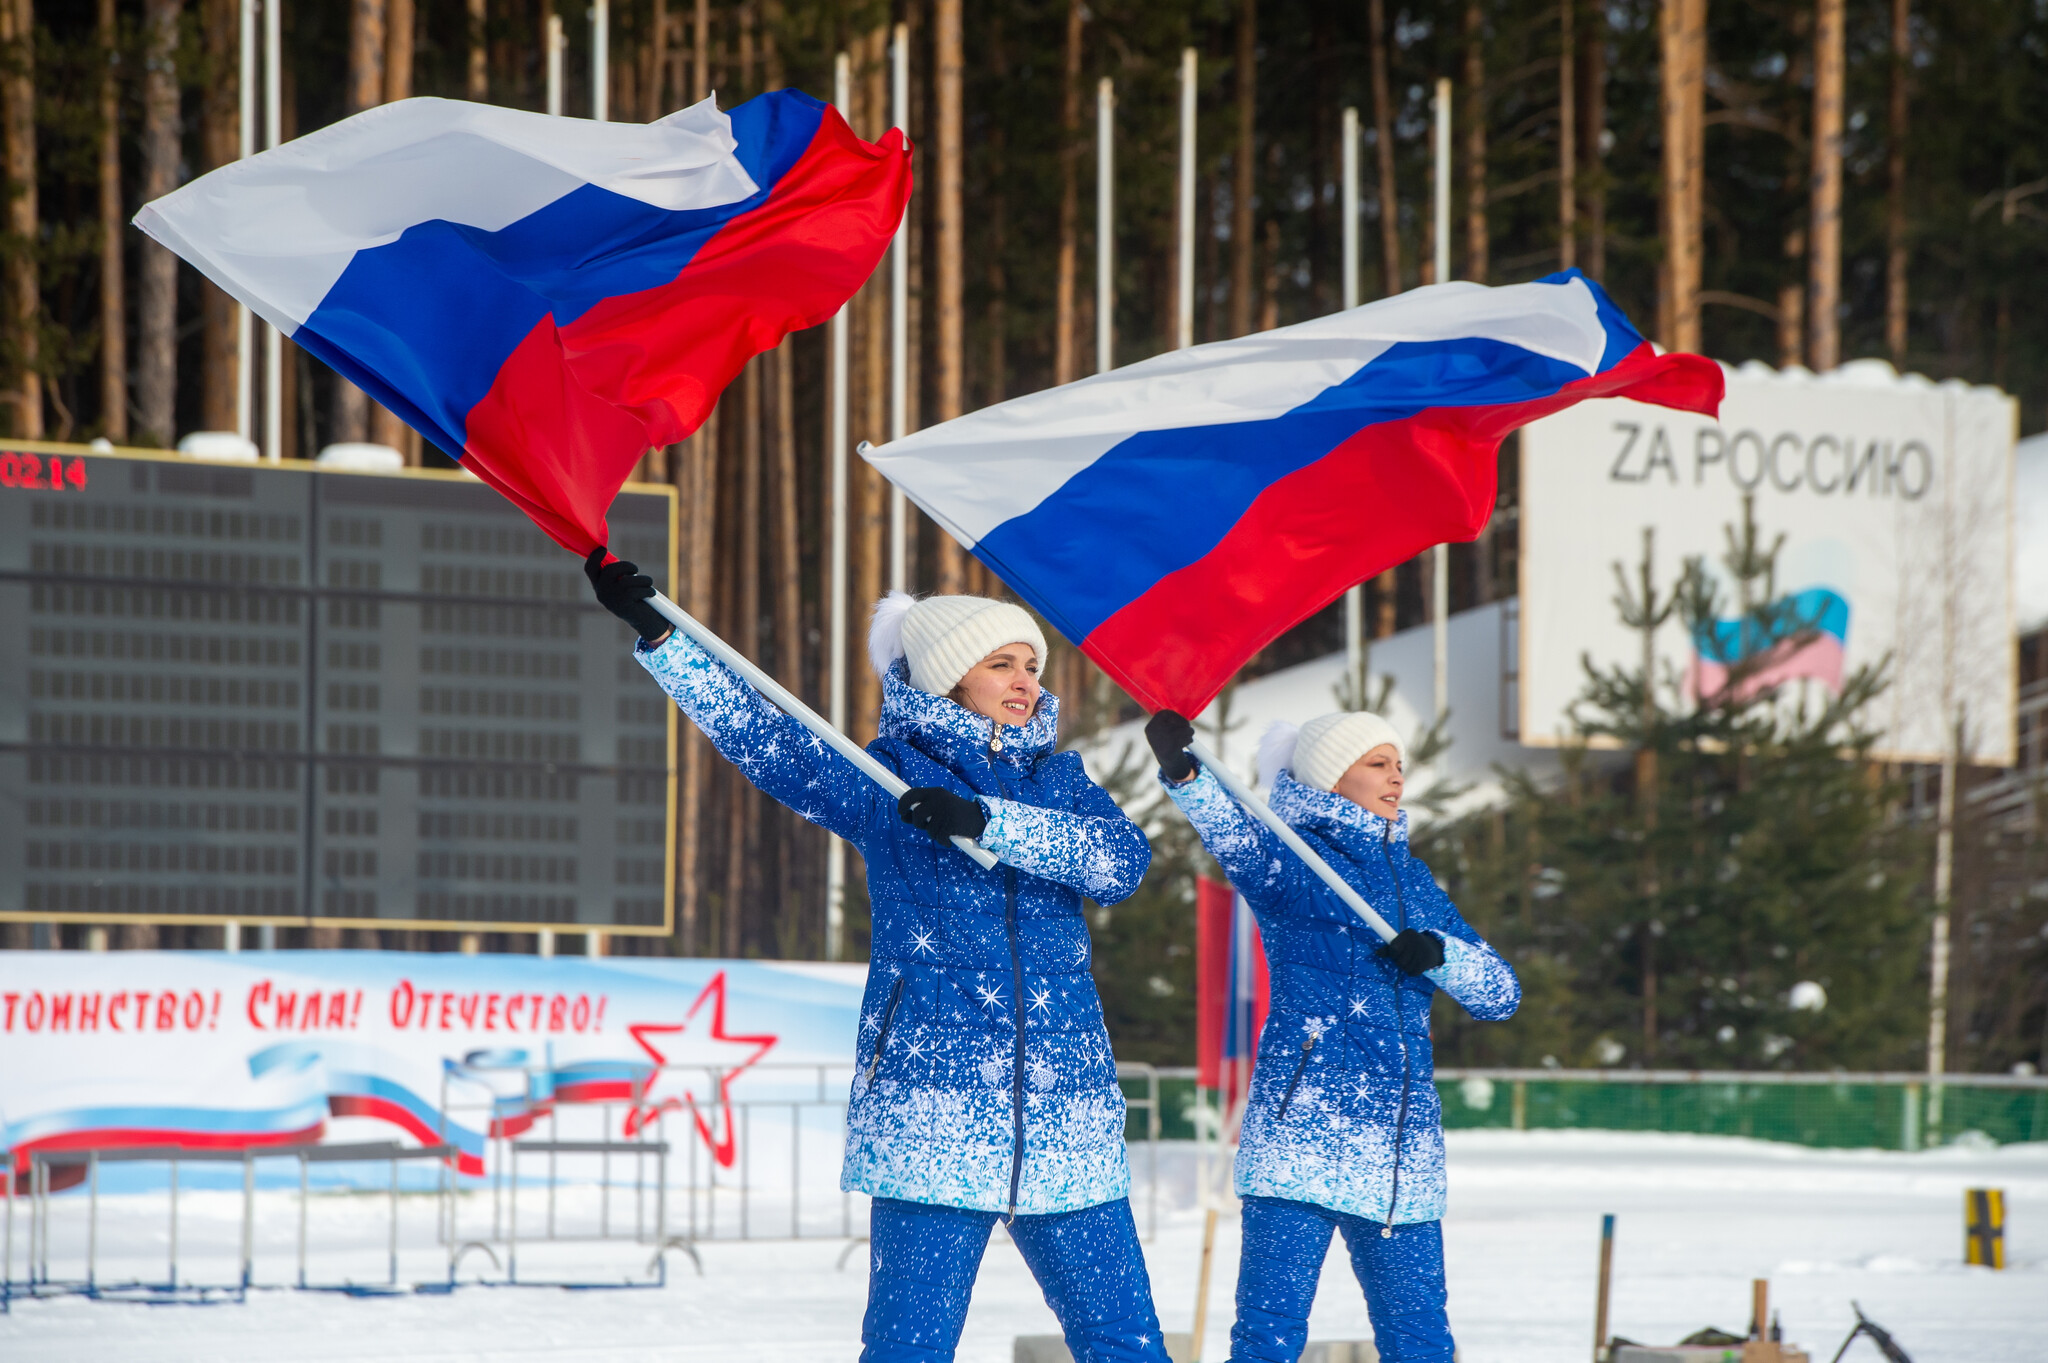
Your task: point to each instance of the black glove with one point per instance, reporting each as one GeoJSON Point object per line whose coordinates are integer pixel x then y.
{"type": "Point", "coordinates": [1414, 951]}
{"type": "Point", "coordinates": [941, 813]}
{"type": "Point", "coordinates": [1169, 733]}
{"type": "Point", "coordinates": [624, 590]}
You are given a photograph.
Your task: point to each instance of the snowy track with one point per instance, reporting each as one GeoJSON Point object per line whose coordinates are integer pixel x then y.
{"type": "Point", "coordinates": [1698, 1217]}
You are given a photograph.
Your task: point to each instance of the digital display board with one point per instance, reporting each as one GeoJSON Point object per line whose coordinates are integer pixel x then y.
{"type": "Point", "coordinates": [273, 692]}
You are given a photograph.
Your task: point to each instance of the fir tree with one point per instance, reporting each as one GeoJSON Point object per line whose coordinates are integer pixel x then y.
{"type": "Point", "coordinates": [1662, 908]}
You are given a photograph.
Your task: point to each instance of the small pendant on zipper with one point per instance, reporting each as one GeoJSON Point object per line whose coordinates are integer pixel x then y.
{"type": "Point", "coordinates": [995, 745]}
{"type": "Point", "coordinates": [1386, 1232]}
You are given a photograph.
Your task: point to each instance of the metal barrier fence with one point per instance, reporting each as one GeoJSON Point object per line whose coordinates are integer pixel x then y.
{"type": "Point", "coordinates": [1837, 1110]}
{"type": "Point", "coordinates": [741, 1156]}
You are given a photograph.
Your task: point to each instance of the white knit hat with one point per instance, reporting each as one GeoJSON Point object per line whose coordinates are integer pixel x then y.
{"type": "Point", "coordinates": [1326, 746]}
{"type": "Point", "coordinates": [943, 637]}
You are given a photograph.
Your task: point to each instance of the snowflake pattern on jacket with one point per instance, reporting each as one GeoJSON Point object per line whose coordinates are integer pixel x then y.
{"type": "Point", "coordinates": [984, 1076]}
{"type": "Point", "coordinates": [1343, 1109]}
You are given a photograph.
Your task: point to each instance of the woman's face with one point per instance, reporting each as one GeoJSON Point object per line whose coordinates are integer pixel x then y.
{"type": "Point", "coordinates": [1003, 686]}
{"type": "Point", "coordinates": [1373, 782]}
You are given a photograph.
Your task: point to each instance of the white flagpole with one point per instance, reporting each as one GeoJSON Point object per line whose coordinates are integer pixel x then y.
{"type": "Point", "coordinates": [1440, 556]}
{"type": "Point", "coordinates": [245, 330]}
{"type": "Point", "coordinates": [899, 320]}
{"type": "Point", "coordinates": [1105, 225]}
{"type": "Point", "coordinates": [1354, 599]}
{"type": "Point", "coordinates": [1184, 324]}
{"type": "Point", "coordinates": [273, 129]}
{"type": "Point", "coordinates": [600, 60]}
{"type": "Point", "coordinates": [803, 714]}
{"type": "Point", "coordinates": [1263, 812]}
{"type": "Point", "coordinates": [835, 458]}
{"type": "Point", "coordinates": [556, 42]}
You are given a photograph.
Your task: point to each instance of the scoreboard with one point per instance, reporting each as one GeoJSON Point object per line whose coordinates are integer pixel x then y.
{"type": "Point", "coordinates": [273, 692]}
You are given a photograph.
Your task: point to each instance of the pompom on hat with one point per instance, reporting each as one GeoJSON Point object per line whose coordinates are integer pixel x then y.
{"type": "Point", "coordinates": [943, 637]}
{"type": "Point", "coordinates": [1322, 750]}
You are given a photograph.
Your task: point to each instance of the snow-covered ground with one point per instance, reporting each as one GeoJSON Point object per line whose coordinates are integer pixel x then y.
{"type": "Point", "coordinates": [1698, 1217]}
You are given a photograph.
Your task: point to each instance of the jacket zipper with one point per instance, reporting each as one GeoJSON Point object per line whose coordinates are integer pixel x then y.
{"type": "Point", "coordinates": [1400, 1035]}
{"type": "Point", "coordinates": [1299, 1065]}
{"type": "Point", "coordinates": [882, 1035]}
{"type": "Point", "coordinates": [1017, 1061]}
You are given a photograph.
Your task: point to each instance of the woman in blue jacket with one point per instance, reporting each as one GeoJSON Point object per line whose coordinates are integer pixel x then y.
{"type": "Point", "coordinates": [984, 1083]}
{"type": "Point", "coordinates": [1342, 1128]}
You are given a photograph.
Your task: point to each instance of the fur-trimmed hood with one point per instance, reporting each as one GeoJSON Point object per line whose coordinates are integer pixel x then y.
{"type": "Point", "coordinates": [1302, 806]}
{"type": "Point", "coordinates": [946, 729]}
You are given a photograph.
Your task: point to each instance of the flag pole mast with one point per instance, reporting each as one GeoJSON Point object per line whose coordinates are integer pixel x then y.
{"type": "Point", "coordinates": [1354, 599]}
{"type": "Point", "coordinates": [899, 318]}
{"type": "Point", "coordinates": [245, 329]}
{"type": "Point", "coordinates": [1263, 812]}
{"type": "Point", "coordinates": [600, 60]}
{"type": "Point", "coordinates": [1440, 555]}
{"type": "Point", "coordinates": [273, 339]}
{"type": "Point", "coordinates": [835, 457]}
{"type": "Point", "coordinates": [556, 44]}
{"type": "Point", "coordinates": [782, 698]}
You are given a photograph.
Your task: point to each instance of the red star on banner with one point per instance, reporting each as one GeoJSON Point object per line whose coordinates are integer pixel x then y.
{"type": "Point", "coordinates": [716, 1051]}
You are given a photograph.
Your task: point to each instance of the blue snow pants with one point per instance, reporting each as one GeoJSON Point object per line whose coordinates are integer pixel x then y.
{"type": "Point", "coordinates": [1285, 1243]}
{"type": "Point", "coordinates": [922, 1262]}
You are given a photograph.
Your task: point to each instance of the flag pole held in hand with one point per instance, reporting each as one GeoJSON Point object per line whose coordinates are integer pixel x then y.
{"type": "Point", "coordinates": [784, 700]}
{"type": "Point", "coordinates": [1263, 812]}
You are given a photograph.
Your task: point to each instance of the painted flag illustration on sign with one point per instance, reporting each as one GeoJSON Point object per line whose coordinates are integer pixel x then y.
{"type": "Point", "coordinates": [1173, 517]}
{"type": "Point", "coordinates": [546, 299]}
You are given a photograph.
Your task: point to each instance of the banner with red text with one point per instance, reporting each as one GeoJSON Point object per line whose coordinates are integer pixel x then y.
{"type": "Point", "coordinates": [216, 1050]}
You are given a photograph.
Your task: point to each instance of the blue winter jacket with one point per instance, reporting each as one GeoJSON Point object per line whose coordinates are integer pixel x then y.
{"type": "Point", "coordinates": [984, 1075]}
{"type": "Point", "coordinates": [1343, 1109]}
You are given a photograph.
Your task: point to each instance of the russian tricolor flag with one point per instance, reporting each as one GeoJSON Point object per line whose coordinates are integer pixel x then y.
{"type": "Point", "coordinates": [1172, 517]}
{"type": "Point", "coordinates": [543, 298]}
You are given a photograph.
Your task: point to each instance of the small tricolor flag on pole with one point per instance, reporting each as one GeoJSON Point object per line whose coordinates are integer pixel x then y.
{"type": "Point", "coordinates": [1172, 517]}
{"type": "Point", "coordinates": [546, 299]}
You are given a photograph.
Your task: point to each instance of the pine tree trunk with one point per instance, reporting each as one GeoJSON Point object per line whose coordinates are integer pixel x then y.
{"type": "Point", "coordinates": [1824, 237]}
{"type": "Point", "coordinates": [220, 135]}
{"type": "Point", "coordinates": [156, 322]}
{"type": "Point", "coordinates": [949, 575]}
{"type": "Point", "coordinates": [700, 51]}
{"type": "Point", "coordinates": [699, 486]}
{"type": "Point", "coordinates": [1477, 239]}
{"type": "Point", "coordinates": [113, 263]}
{"type": "Point", "coordinates": [1063, 365]}
{"type": "Point", "coordinates": [477, 75]}
{"type": "Point", "coordinates": [365, 90]}
{"type": "Point", "coordinates": [1244, 164]}
{"type": "Point", "coordinates": [1682, 45]}
{"type": "Point", "coordinates": [385, 426]}
{"type": "Point", "coordinates": [1383, 145]}
{"type": "Point", "coordinates": [1592, 130]}
{"type": "Point", "coordinates": [1895, 174]}
{"type": "Point", "coordinates": [24, 279]}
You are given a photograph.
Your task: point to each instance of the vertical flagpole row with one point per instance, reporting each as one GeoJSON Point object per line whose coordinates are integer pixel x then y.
{"type": "Point", "coordinates": [1440, 556]}
{"type": "Point", "coordinates": [1105, 225]}
{"type": "Point", "coordinates": [273, 130]}
{"type": "Point", "coordinates": [899, 319]}
{"type": "Point", "coordinates": [835, 456]}
{"type": "Point", "coordinates": [1354, 599]}
{"type": "Point", "coordinates": [1184, 324]}
{"type": "Point", "coordinates": [600, 60]}
{"type": "Point", "coordinates": [245, 328]}
{"type": "Point", "coordinates": [556, 41]}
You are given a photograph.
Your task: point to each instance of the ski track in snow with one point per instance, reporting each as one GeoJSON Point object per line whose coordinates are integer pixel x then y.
{"type": "Point", "coordinates": [1697, 1218]}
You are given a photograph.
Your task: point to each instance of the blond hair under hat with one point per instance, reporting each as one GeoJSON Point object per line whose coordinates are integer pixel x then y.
{"type": "Point", "coordinates": [943, 637]}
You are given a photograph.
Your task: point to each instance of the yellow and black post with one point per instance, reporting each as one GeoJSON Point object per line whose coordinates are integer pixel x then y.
{"type": "Point", "coordinates": [1984, 1227]}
